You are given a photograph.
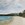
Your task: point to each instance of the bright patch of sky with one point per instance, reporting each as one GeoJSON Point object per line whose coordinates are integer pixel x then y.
{"type": "Point", "coordinates": [11, 6]}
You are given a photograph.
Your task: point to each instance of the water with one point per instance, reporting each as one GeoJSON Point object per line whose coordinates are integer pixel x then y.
{"type": "Point", "coordinates": [5, 18]}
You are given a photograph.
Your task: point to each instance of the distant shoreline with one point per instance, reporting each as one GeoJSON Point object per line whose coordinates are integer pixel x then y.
{"type": "Point", "coordinates": [12, 14]}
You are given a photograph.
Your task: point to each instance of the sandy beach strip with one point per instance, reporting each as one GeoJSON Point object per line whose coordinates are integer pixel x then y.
{"type": "Point", "coordinates": [16, 21]}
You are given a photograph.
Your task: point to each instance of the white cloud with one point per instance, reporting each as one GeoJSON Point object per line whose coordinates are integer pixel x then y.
{"type": "Point", "coordinates": [11, 6]}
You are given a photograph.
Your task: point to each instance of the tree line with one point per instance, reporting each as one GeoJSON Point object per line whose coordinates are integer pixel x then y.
{"type": "Point", "coordinates": [22, 14]}
{"type": "Point", "coordinates": [15, 14]}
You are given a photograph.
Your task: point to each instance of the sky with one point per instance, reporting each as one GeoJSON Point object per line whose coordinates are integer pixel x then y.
{"type": "Point", "coordinates": [11, 6]}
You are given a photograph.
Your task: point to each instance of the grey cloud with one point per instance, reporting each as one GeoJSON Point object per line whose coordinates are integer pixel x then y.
{"type": "Point", "coordinates": [11, 7]}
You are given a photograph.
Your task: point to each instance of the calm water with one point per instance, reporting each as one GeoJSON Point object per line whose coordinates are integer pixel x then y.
{"type": "Point", "coordinates": [5, 18]}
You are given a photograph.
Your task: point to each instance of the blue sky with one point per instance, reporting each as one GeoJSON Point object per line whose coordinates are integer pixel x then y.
{"type": "Point", "coordinates": [11, 6]}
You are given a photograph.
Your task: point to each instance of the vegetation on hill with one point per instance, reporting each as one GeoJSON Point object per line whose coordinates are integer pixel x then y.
{"type": "Point", "coordinates": [22, 14]}
{"type": "Point", "coordinates": [15, 14]}
{"type": "Point", "coordinates": [12, 14]}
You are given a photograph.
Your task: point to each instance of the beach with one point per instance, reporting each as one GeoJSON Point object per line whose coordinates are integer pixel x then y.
{"type": "Point", "coordinates": [17, 21]}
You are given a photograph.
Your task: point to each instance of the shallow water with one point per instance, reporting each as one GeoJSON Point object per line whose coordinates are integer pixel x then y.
{"type": "Point", "coordinates": [5, 18]}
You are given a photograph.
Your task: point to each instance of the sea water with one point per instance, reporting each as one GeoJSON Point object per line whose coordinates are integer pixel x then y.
{"type": "Point", "coordinates": [2, 18]}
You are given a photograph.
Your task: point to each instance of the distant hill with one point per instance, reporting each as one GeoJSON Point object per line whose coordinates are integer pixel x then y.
{"type": "Point", "coordinates": [11, 14]}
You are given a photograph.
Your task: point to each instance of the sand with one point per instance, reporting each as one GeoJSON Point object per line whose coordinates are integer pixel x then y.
{"type": "Point", "coordinates": [17, 21]}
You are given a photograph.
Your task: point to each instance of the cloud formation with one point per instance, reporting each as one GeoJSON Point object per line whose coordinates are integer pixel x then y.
{"type": "Point", "coordinates": [10, 6]}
